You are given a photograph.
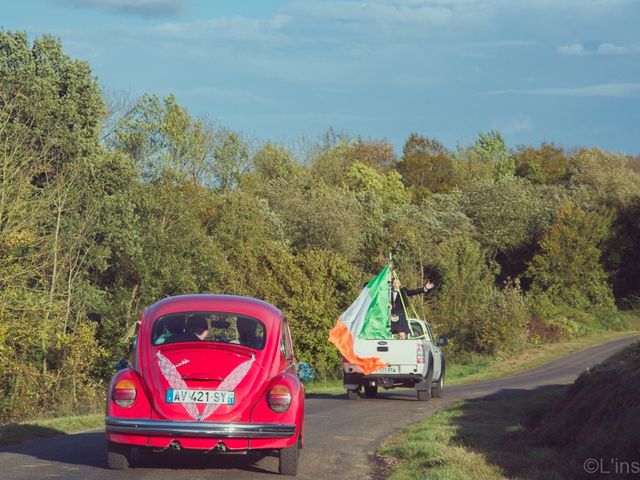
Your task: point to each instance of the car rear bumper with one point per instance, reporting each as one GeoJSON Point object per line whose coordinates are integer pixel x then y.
{"type": "Point", "coordinates": [198, 429]}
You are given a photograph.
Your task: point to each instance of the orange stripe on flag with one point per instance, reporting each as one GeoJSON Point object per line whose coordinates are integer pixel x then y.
{"type": "Point", "coordinates": [341, 337]}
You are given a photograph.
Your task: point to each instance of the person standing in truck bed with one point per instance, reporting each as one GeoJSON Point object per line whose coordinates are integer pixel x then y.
{"type": "Point", "coordinates": [399, 302]}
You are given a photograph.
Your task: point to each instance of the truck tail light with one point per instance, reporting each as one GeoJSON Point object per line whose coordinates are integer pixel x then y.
{"type": "Point", "coordinates": [124, 393]}
{"type": "Point", "coordinates": [279, 398]}
{"type": "Point", "coordinates": [420, 353]}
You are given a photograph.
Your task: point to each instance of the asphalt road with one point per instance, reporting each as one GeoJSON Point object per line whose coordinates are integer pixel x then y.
{"type": "Point", "coordinates": [341, 435]}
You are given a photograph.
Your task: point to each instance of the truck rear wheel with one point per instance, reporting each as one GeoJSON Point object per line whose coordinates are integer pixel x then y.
{"type": "Point", "coordinates": [438, 387]}
{"type": "Point", "coordinates": [424, 395]}
{"type": "Point", "coordinates": [423, 389]}
{"type": "Point", "coordinates": [371, 391]}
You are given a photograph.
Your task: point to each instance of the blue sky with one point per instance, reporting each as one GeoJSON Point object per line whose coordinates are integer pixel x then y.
{"type": "Point", "coordinates": [562, 71]}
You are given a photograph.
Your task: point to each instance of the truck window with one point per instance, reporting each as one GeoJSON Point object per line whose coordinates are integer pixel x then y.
{"type": "Point", "coordinates": [430, 332]}
{"type": "Point", "coordinates": [416, 327]}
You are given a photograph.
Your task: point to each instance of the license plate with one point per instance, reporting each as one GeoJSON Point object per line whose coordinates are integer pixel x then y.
{"type": "Point", "coordinates": [215, 397]}
{"type": "Point", "coordinates": [389, 369]}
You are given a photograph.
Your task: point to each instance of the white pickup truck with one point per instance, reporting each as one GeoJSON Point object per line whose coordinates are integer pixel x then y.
{"type": "Point", "coordinates": [416, 362]}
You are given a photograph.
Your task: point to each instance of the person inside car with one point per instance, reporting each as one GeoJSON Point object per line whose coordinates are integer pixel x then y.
{"type": "Point", "coordinates": [197, 327]}
{"type": "Point", "coordinates": [247, 333]}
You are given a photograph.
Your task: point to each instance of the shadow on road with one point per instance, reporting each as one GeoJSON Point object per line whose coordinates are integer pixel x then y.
{"type": "Point", "coordinates": [15, 433]}
{"type": "Point", "coordinates": [84, 449]}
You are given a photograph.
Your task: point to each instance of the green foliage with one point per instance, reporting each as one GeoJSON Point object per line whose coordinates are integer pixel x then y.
{"type": "Point", "coordinates": [492, 150]}
{"type": "Point", "coordinates": [469, 308]}
{"type": "Point", "coordinates": [507, 213]}
{"type": "Point", "coordinates": [567, 271]}
{"type": "Point", "coordinates": [56, 97]}
{"type": "Point", "coordinates": [329, 285]}
{"type": "Point", "coordinates": [603, 180]}
{"type": "Point", "coordinates": [546, 164]}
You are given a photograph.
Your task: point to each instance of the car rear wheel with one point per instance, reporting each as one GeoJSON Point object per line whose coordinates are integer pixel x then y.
{"type": "Point", "coordinates": [288, 462]}
{"type": "Point", "coordinates": [118, 456]}
{"type": "Point", "coordinates": [371, 391]}
{"type": "Point", "coordinates": [353, 394]}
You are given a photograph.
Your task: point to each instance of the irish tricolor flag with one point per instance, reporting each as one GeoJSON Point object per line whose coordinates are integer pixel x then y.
{"type": "Point", "coordinates": [367, 317]}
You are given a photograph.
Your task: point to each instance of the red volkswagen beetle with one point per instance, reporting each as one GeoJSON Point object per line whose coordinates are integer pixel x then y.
{"type": "Point", "coordinates": [214, 373]}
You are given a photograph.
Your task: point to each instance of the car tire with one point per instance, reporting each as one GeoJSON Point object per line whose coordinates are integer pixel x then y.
{"type": "Point", "coordinates": [371, 391]}
{"type": "Point", "coordinates": [353, 394]}
{"type": "Point", "coordinates": [438, 387]}
{"type": "Point", "coordinates": [288, 461]}
{"type": "Point", "coordinates": [118, 456]}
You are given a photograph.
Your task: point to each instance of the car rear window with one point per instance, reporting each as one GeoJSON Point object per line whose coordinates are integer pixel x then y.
{"type": "Point", "coordinates": [209, 327]}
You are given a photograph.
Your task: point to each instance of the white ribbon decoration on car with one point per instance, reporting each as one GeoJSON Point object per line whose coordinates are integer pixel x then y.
{"type": "Point", "coordinates": [175, 381]}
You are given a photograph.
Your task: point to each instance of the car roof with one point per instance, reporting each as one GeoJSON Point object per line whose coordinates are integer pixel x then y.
{"type": "Point", "coordinates": [248, 306]}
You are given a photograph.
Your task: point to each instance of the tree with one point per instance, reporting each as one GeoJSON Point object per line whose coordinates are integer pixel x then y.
{"type": "Point", "coordinates": [606, 180]}
{"type": "Point", "coordinates": [56, 97]}
{"type": "Point", "coordinates": [507, 213]}
{"type": "Point", "coordinates": [567, 270]}
{"type": "Point", "coordinates": [492, 149]}
{"type": "Point", "coordinates": [425, 166]}
{"type": "Point", "coordinates": [545, 164]}
{"type": "Point", "coordinates": [378, 154]}
{"type": "Point", "coordinates": [165, 141]}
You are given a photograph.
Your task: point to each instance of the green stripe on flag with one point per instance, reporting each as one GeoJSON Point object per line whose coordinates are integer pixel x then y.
{"type": "Point", "coordinates": [376, 322]}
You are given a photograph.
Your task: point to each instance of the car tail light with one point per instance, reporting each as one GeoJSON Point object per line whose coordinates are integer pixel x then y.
{"type": "Point", "coordinates": [420, 353]}
{"type": "Point", "coordinates": [124, 393]}
{"type": "Point", "coordinates": [344, 360]}
{"type": "Point", "coordinates": [279, 398]}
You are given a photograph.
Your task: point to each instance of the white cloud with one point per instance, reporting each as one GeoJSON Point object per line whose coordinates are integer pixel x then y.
{"type": "Point", "coordinates": [613, 49]}
{"type": "Point", "coordinates": [573, 49]}
{"type": "Point", "coordinates": [518, 123]}
{"type": "Point", "coordinates": [145, 8]}
{"type": "Point", "coordinates": [607, 48]}
{"type": "Point", "coordinates": [602, 90]}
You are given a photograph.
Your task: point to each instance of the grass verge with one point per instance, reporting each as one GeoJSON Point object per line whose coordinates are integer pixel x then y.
{"type": "Point", "coordinates": [477, 439]}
